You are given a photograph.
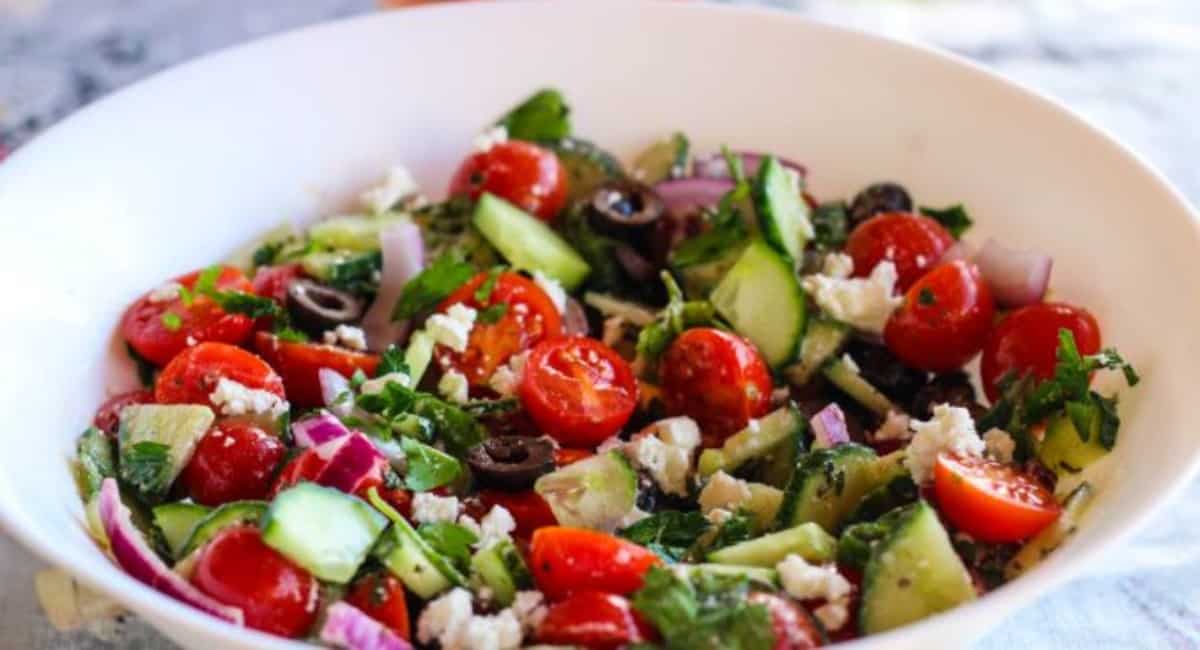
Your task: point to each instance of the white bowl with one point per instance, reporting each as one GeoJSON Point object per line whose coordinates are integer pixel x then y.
{"type": "Point", "coordinates": [178, 171]}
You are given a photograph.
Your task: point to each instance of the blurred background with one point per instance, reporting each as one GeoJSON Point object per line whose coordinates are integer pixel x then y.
{"type": "Point", "coordinates": [1129, 66]}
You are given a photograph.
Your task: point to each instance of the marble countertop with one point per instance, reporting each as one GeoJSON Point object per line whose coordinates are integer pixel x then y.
{"type": "Point", "coordinates": [1130, 66]}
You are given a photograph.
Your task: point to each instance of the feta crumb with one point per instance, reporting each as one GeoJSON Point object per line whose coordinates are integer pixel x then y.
{"type": "Point", "coordinates": [429, 508]}
{"type": "Point", "coordinates": [723, 491]}
{"type": "Point", "coordinates": [894, 427]}
{"type": "Point", "coordinates": [718, 516]}
{"type": "Point", "coordinates": [999, 445]}
{"type": "Point", "coordinates": [850, 363]}
{"type": "Point", "coordinates": [667, 464]}
{"type": "Point", "coordinates": [951, 429]}
{"type": "Point", "coordinates": [375, 386]}
{"type": "Point", "coordinates": [833, 615]}
{"type": "Point", "coordinates": [232, 398]}
{"type": "Point", "coordinates": [863, 303]}
{"type": "Point", "coordinates": [837, 265]}
{"type": "Point", "coordinates": [507, 377]}
{"type": "Point", "coordinates": [348, 336]}
{"type": "Point", "coordinates": [804, 581]}
{"type": "Point", "coordinates": [497, 525]}
{"type": "Point", "coordinates": [454, 387]}
{"type": "Point", "coordinates": [468, 522]}
{"type": "Point", "coordinates": [398, 184]}
{"type": "Point", "coordinates": [453, 328]}
{"type": "Point", "coordinates": [680, 431]}
{"type": "Point", "coordinates": [553, 289]}
{"type": "Point", "coordinates": [444, 617]}
{"type": "Point", "coordinates": [165, 293]}
{"type": "Point", "coordinates": [485, 141]}
{"type": "Point", "coordinates": [530, 609]}
{"type": "Point", "coordinates": [614, 330]}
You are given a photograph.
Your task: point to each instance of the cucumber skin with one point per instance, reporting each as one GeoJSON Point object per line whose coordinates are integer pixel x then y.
{"type": "Point", "coordinates": [746, 266]}
{"type": "Point", "coordinates": [811, 475]}
{"type": "Point", "coordinates": [1054, 535]}
{"type": "Point", "coordinates": [587, 166]}
{"type": "Point", "coordinates": [809, 541]}
{"type": "Point", "coordinates": [822, 341]}
{"type": "Point", "coordinates": [851, 383]}
{"type": "Point", "coordinates": [767, 205]}
{"type": "Point", "coordinates": [177, 521]}
{"type": "Point", "coordinates": [229, 514]}
{"type": "Point", "coordinates": [405, 559]}
{"type": "Point", "coordinates": [579, 471]}
{"type": "Point", "coordinates": [286, 528]}
{"type": "Point", "coordinates": [499, 221]}
{"type": "Point", "coordinates": [773, 429]}
{"type": "Point", "coordinates": [1064, 452]}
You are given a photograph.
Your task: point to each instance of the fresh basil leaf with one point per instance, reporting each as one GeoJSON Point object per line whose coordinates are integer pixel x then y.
{"type": "Point", "coordinates": [450, 540]}
{"type": "Point", "coordinates": [544, 116]}
{"type": "Point", "coordinates": [708, 613]}
{"type": "Point", "coordinates": [426, 467]}
{"type": "Point", "coordinates": [670, 533]}
{"type": "Point", "coordinates": [954, 218]}
{"type": "Point", "coordinates": [432, 285]}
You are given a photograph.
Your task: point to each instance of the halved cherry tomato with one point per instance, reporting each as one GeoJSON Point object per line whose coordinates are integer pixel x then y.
{"type": "Point", "coordinates": [194, 373]}
{"type": "Point", "coordinates": [524, 174]}
{"type": "Point", "coordinates": [108, 416]}
{"type": "Point", "coordinates": [529, 318]}
{"type": "Point", "coordinates": [234, 460]}
{"type": "Point", "coordinates": [717, 379]}
{"type": "Point", "coordinates": [381, 596]}
{"type": "Point", "coordinates": [273, 281]}
{"type": "Point", "coordinates": [158, 329]}
{"type": "Point", "coordinates": [564, 456]}
{"type": "Point", "coordinates": [990, 501]}
{"type": "Point", "coordinates": [527, 507]}
{"type": "Point", "coordinates": [1026, 340]}
{"type": "Point", "coordinates": [238, 569]}
{"type": "Point", "coordinates": [311, 466]}
{"type": "Point", "coordinates": [565, 560]}
{"type": "Point", "coordinates": [578, 390]}
{"type": "Point", "coordinates": [306, 466]}
{"type": "Point", "coordinates": [912, 242]}
{"type": "Point", "coordinates": [793, 627]}
{"type": "Point", "coordinates": [593, 620]}
{"type": "Point", "coordinates": [944, 320]}
{"type": "Point", "coordinates": [299, 364]}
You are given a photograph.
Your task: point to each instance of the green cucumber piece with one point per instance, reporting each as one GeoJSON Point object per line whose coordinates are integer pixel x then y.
{"type": "Point", "coordinates": [358, 233]}
{"type": "Point", "coordinates": [595, 493]}
{"type": "Point", "coordinates": [767, 577]}
{"type": "Point", "coordinates": [779, 463]}
{"type": "Point", "coordinates": [234, 513]}
{"type": "Point", "coordinates": [418, 355]}
{"type": "Point", "coordinates": [752, 442]}
{"type": "Point", "coordinates": [782, 211]}
{"type": "Point", "coordinates": [157, 441]}
{"type": "Point", "coordinates": [823, 340]}
{"type": "Point", "coordinates": [528, 243]}
{"type": "Point", "coordinates": [95, 460]}
{"type": "Point", "coordinates": [699, 279]}
{"type": "Point", "coordinates": [764, 504]}
{"type": "Point", "coordinates": [322, 529]}
{"type": "Point", "coordinates": [587, 166]}
{"type": "Point", "coordinates": [895, 493]}
{"type": "Point", "coordinates": [828, 485]}
{"type": "Point", "coordinates": [424, 571]}
{"type": "Point", "coordinates": [761, 297]}
{"type": "Point", "coordinates": [177, 521]}
{"type": "Point", "coordinates": [1064, 451]}
{"type": "Point", "coordinates": [501, 569]}
{"type": "Point", "coordinates": [847, 379]}
{"type": "Point", "coordinates": [913, 573]}
{"type": "Point", "coordinates": [809, 541]}
{"type": "Point", "coordinates": [1054, 535]}
{"type": "Point", "coordinates": [319, 264]}
{"type": "Point", "coordinates": [662, 160]}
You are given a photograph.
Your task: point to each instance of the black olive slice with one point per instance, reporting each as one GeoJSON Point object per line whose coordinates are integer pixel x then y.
{"type": "Point", "coordinates": [316, 308]}
{"type": "Point", "coordinates": [511, 463]}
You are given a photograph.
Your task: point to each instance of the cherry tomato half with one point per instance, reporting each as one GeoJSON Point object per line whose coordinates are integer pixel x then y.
{"type": "Point", "coordinates": [578, 390]}
{"type": "Point", "coordinates": [233, 461]}
{"type": "Point", "coordinates": [793, 627]}
{"type": "Point", "coordinates": [593, 620]}
{"type": "Point", "coordinates": [990, 501]}
{"type": "Point", "coordinates": [273, 281]}
{"type": "Point", "coordinates": [194, 373]}
{"type": "Point", "coordinates": [944, 320]}
{"type": "Point", "coordinates": [565, 560]}
{"type": "Point", "coordinates": [564, 456]}
{"type": "Point", "coordinates": [1026, 340]}
{"type": "Point", "coordinates": [912, 242]}
{"type": "Point", "coordinates": [717, 379]}
{"type": "Point", "coordinates": [529, 318]}
{"type": "Point", "coordinates": [311, 465]}
{"type": "Point", "coordinates": [524, 174]}
{"type": "Point", "coordinates": [108, 416]}
{"type": "Point", "coordinates": [300, 363]}
{"type": "Point", "coordinates": [527, 507]}
{"type": "Point", "coordinates": [238, 569]}
{"type": "Point", "coordinates": [159, 327]}
{"type": "Point", "coordinates": [381, 596]}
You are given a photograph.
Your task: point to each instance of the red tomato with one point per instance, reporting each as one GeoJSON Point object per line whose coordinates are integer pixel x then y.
{"type": "Point", "coordinates": [528, 509]}
{"type": "Point", "coordinates": [578, 390]}
{"type": "Point", "coordinates": [717, 379]}
{"type": "Point", "coordinates": [521, 173]}
{"type": "Point", "coordinates": [381, 596]}
{"type": "Point", "coordinates": [143, 324]}
{"type": "Point", "coordinates": [299, 364]}
{"type": "Point", "coordinates": [233, 461]}
{"type": "Point", "coordinates": [913, 243]}
{"type": "Point", "coordinates": [990, 501]}
{"type": "Point", "coordinates": [108, 416]}
{"type": "Point", "coordinates": [593, 620]}
{"type": "Point", "coordinates": [305, 467]}
{"type": "Point", "coordinates": [310, 466]}
{"type": "Point", "coordinates": [564, 456]}
{"type": "Point", "coordinates": [793, 628]}
{"type": "Point", "coordinates": [238, 569]}
{"type": "Point", "coordinates": [530, 318]}
{"type": "Point", "coordinates": [565, 560]}
{"type": "Point", "coordinates": [273, 281]}
{"type": "Point", "coordinates": [944, 320]}
{"type": "Point", "coordinates": [1027, 341]}
{"type": "Point", "coordinates": [193, 375]}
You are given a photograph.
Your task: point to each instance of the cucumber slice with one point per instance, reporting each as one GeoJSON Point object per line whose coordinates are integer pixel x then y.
{"type": "Point", "coordinates": [913, 573]}
{"type": "Point", "coordinates": [840, 374]}
{"type": "Point", "coordinates": [595, 493]}
{"type": "Point", "coordinates": [764, 503]}
{"type": "Point", "coordinates": [762, 299]}
{"type": "Point", "coordinates": [698, 280]}
{"type": "Point", "coordinates": [782, 212]}
{"type": "Point", "coordinates": [527, 243]}
{"type": "Point", "coordinates": [588, 166]}
{"type": "Point", "coordinates": [157, 441]}
{"type": "Point", "coordinates": [501, 569]}
{"type": "Point", "coordinates": [767, 577]}
{"type": "Point", "coordinates": [177, 521]}
{"type": "Point", "coordinates": [230, 514]}
{"type": "Point", "coordinates": [418, 355]}
{"type": "Point", "coordinates": [95, 460]}
{"type": "Point", "coordinates": [1063, 451]}
{"type": "Point", "coordinates": [779, 464]}
{"type": "Point", "coordinates": [353, 233]}
{"type": "Point", "coordinates": [407, 555]}
{"type": "Point", "coordinates": [319, 264]}
{"type": "Point", "coordinates": [823, 340]}
{"type": "Point", "coordinates": [1054, 535]}
{"type": "Point", "coordinates": [828, 485]}
{"type": "Point", "coordinates": [809, 541]}
{"type": "Point", "coordinates": [753, 441]}
{"type": "Point", "coordinates": [662, 160]}
{"type": "Point", "coordinates": [323, 530]}
{"type": "Point", "coordinates": [895, 493]}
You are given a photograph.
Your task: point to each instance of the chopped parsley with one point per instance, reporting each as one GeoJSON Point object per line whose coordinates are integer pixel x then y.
{"type": "Point", "coordinates": [830, 225]}
{"type": "Point", "coordinates": [483, 293]}
{"type": "Point", "coordinates": [421, 415]}
{"type": "Point", "coordinates": [954, 218]}
{"type": "Point", "coordinates": [707, 612]}
{"type": "Point", "coordinates": [427, 467]}
{"type": "Point", "coordinates": [450, 540]}
{"type": "Point", "coordinates": [171, 321]}
{"type": "Point", "coordinates": [146, 466]}
{"type": "Point", "coordinates": [392, 360]}
{"type": "Point", "coordinates": [290, 335]}
{"type": "Point", "coordinates": [357, 275]}
{"type": "Point", "coordinates": [677, 316]}
{"type": "Point", "coordinates": [670, 533]}
{"type": "Point", "coordinates": [432, 285]}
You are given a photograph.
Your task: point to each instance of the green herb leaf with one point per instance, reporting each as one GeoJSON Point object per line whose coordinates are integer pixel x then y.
{"type": "Point", "coordinates": [954, 218]}
{"type": "Point", "coordinates": [238, 302]}
{"type": "Point", "coordinates": [146, 466]}
{"type": "Point", "coordinates": [290, 335]}
{"type": "Point", "coordinates": [483, 293]}
{"type": "Point", "coordinates": [171, 321]}
{"type": "Point", "coordinates": [357, 275]}
{"type": "Point", "coordinates": [543, 117]}
{"type": "Point", "coordinates": [926, 297]}
{"type": "Point", "coordinates": [427, 467]}
{"type": "Point", "coordinates": [492, 314]}
{"type": "Point", "coordinates": [266, 254]}
{"type": "Point", "coordinates": [95, 461]}
{"type": "Point", "coordinates": [484, 407]}
{"type": "Point", "coordinates": [432, 285]}
{"type": "Point", "coordinates": [677, 316]}
{"type": "Point", "coordinates": [412, 413]}
{"type": "Point", "coordinates": [707, 613]}
{"type": "Point", "coordinates": [451, 540]}
{"type": "Point", "coordinates": [669, 533]}
{"type": "Point", "coordinates": [738, 528]}
{"type": "Point", "coordinates": [830, 225]}
{"type": "Point", "coordinates": [392, 360]}
{"type": "Point", "coordinates": [725, 235]}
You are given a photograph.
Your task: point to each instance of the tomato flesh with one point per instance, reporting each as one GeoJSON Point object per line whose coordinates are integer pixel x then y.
{"type": "Point", "coordinates": [944, 319]}
{"type": "Point", "coordinates": [273, 281]}
{"type": "Point", "coordinates": [594, 620]}
{"type": "Point", "coordinates": [578, 390]}
{"type": "Point", "coordinates": [381, 596]}
{"type": "Point", "coordinates": [300, 363]}
{"type": "Point", "coordinates": [1026, 340]}
{"type": "Point", "coordinates": [564, 456]}
{"type": "Point", "coordinates": [793, 628]}
{"type": "Point", "coordinates": [193, 374]}
{"type": "Point", "coordinates": [108, 416]}
{"type": "Point", "coordinates": [233, 461]}
{"type": "Point", "coordinates": [912, 242]}
{"type": "Point", "coordinates": [524, 174]}
{"type": "Point", "coordinates": [990, 501]}
{"type": "Point", "coordinates": [565, 560]}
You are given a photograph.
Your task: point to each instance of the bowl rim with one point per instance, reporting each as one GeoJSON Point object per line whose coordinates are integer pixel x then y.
{"type": "Point", "coordinates": [1059, 568]}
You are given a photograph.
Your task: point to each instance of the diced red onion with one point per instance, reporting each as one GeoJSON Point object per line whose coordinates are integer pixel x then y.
{"type": "Point", "coordinates": [318, 429]}
{"type": "Point", "coordinates": [353, 461]}
{"type": "Point", "coordinates": [715, 166]}
{"type": "Point", "coordinates": [961, 250]}
{"type": "Point", "coordinates": [403, 252]}
{"type": "Point", "coordinates": [348, 627]}
{"type": "Point", "coordinates": [574, 320]}
{"type": "Point", "coordinates": [136, 557]}
{"type": "Point", "coordinates": [829, 427]}
{"type": "Point", "coordinates": [1016, 277]}
{"type": "Point", "coordinates": [683, 196]}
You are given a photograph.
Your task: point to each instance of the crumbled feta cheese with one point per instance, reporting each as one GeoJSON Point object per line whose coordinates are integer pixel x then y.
{"type": "Point", "coordinates": [165, 293]}
{"type": "Point", "coordinates": [232, 398]}
{"type": "Point", "coordinates": [498, 524]}
{"type": "Point", "coordinates": [614, 330]}
{"type": "Point", "coordinates": [553, 289]}
{"type": "Point", "coordinates": [723, 491]}
{"type": "Point", "coordinates": [837, 265]}
{"type": "Point", "coordinates": [453, 328]}
{"type": "Point", "coordinates": [951, 430]}
{"type": "Point", "coordinates": [850, 363]}
{"type": "Point", "coordinates": [804, 581]}
{"type": "Point", "coordinates": [507, 377]}
{"type": "Point", "coordinates": [863, 303]}
{"type": "Point", "coordinates": [680, 431]}
{"type": "Point", "coordinates": [450, 620]}
{"type": "Point", "coordinates": [718, 516]}
{"type": "Point", "coordinates": [454, 387]}
{"type": "Point", "coordinates": [667, 464]}
{"type": "Point", "coordinates": [501, 631]}
{"type": "Point", "coordinates": [833, 615]}
{"type": "Point", "coordinates": [530, 609]}
{"type": "Point", "coordinates": [894, 427]}
{"type": "Point", "coordinates": [429, 508]}
{"type": "Point", "coordinates": [375, 386]}
{"type": "Point", "coordinates": [485, 141]}
{"type": "Point", "coordinates": [797, 183]}
{"type": "Point", "coordinates": [398, 184]}
{"type": "Point", "coordinates": [468, 522]}
{"type": "Point", "coordinates": [347, 336]}
{"type": "Point", "coordinates": [999, 445]}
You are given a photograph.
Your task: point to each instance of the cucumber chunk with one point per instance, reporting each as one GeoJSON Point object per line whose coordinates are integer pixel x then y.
{"type": "Point", "coordinates": [323, 530]}
{"type": "Point", "coordinates": [840, 374]}
{"type": "Point", "coordinates": [95, 460]}
{"type": "Point", "coordinates": [1062, 449]}
{"type": "Point", "coordinates": [595, 493]}
{"type": "Point", "coordinates": [662, 160]}
{"type": "Point", "coordinates": [782, 212]}
{"type": "Point", "coordinates": [409, 557]}
{"type": "Point", "coordinates": [913, 573]}
{"type": "Point", "coordinates": [353, 233]}
{"type": "Point", "coordinates": [828, 485]}
{"type": "Point", "coordinates": [157, 441]}
{"type": "Point", "coordinates": [761, 297]}
{"type": "Point", "coordinates": [754, 441]}
{"type": "Point", "coordinates": [767, 577]}
{"type": "Point", "coordinates": [823, 340]}
{"type": "Point", "coordinates": [587, 165]}
{"type": "Point", "coordinates": [527, 243]}
{"type": "Point", "coordinates": [779, 463]}
{"type": "Point", "coordinates": [1054, 535]}
{"type": "Point", "coordinates": [501, 569]}
{"type": "Point", "coordinates": [417, 356]}
{"type": "Point", "coordinates": [764, 503]}
{"type": "Point", "coordinates": [227, 515]}
{"type": "Point", "coordinates": [177, 521]}
{"type": "Point", "coordinates": [809, 541]}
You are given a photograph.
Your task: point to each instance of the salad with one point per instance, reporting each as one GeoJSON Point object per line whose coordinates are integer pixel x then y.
{"type": "Point", "coordinates": [679, 403]}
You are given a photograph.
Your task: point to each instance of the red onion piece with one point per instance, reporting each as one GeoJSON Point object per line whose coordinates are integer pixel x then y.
{"type": "Point", "coordinates": [714, 165]}
{"type": "Point", "coordinates": [353, 461]}
{"type": "Point", "coordinates": [318, 429]}
{"type": "Point", "coordinates": [682, 196]}
{"type": "Point", "coordinates": [574, 320]}
{"type": "Point", "coordinates": [829, 427]}
{"type": "Point", "coordinates": [403, 257]}
{"type": "Point", "coordinates": [136, 557]}
{"type": "Point", "coordinates": [348, 627]}
{"type": "Point", "coordinates": [1016, 277]}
